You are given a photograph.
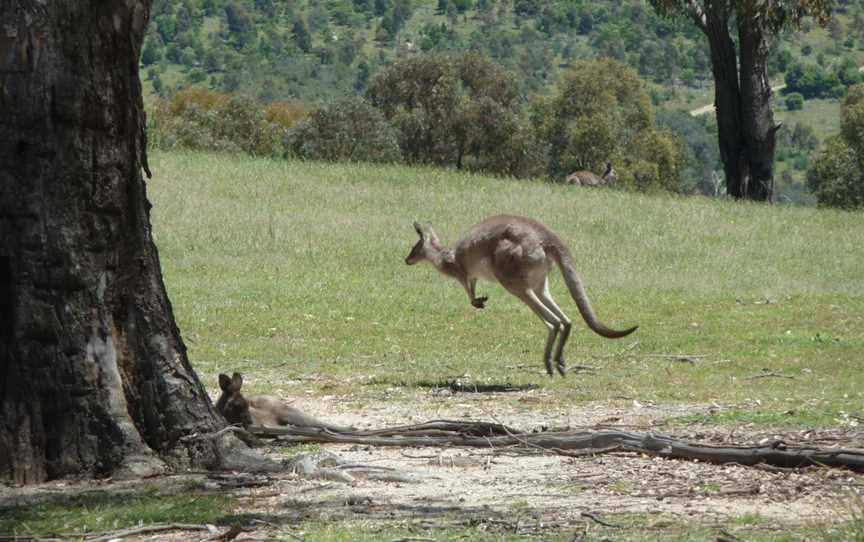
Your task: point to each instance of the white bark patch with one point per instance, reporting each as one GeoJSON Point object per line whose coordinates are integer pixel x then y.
{"type": "Point", "coordinates": [138, 460]}
{"type": "Point", "coordinates": [104, 356]}
{"type": "Point", "coordinates": [103, 284]}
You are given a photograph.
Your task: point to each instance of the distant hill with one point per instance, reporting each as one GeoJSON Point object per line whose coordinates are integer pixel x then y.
{"type": "Point", "coordinates": [309, 51]}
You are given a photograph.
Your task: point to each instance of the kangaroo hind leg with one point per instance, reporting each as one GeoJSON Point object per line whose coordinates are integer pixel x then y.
{"type": "Point", "coordinates": [566, 325]}
{"type": "Point", "coordinates": [552, 322]}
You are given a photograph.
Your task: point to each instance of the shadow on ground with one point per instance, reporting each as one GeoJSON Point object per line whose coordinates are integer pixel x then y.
{"type": "Point", "coordinates": [457, 386]}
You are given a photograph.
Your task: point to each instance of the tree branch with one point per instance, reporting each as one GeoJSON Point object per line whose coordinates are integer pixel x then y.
{"type": "Point", "coordinates": [602, 441]}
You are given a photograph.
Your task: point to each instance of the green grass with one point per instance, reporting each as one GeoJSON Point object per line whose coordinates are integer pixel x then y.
{"type": "Point", "coordinates": [102, 512]}
{"type": "Point", "coordinates": [291, 269]}
{"type": "Point", "coordinates": [821, 115]}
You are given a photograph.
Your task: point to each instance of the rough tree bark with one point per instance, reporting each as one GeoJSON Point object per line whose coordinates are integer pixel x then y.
{"type": "Point", "coordinates": [745, 119]}
{"type": "Point", "coordinates": [742, 93]}
{"type": "Point", "coordinates": [94, 377]}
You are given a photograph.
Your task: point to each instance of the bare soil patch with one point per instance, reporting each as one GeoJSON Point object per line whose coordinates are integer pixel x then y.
{"type": "Point", "coordinates": [527, 493]}
{"type": "Point", "coordinates": [556, 489]}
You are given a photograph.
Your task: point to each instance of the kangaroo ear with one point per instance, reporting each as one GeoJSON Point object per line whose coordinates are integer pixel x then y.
{"type": "Point", "coordinates": [419, 229]}
{"type": "Point", "coordinates": [224, 382]}
{"type": "Point", "coordinates": [236, 382]}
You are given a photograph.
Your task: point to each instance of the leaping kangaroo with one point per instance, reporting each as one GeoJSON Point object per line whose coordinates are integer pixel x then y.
{"type": "Point", "coordinates": [518, 253]}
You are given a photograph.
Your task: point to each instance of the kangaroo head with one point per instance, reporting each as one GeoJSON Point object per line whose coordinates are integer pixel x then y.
{"type": "Point", "coordinates": [231, 403]}
{"type": "Point", "coordinates": [610, 176]}
{"type": "Point", "coordinates": [428, 242]}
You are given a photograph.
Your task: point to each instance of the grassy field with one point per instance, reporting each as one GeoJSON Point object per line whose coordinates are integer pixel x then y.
{"type": "Point", "coordinates": [293, 273]}
{"type": "Point", "coordinates": [290, 269]}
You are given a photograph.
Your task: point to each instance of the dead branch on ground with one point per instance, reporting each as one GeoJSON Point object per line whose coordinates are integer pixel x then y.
{"type": "Point", "coordinates": [445, 433]}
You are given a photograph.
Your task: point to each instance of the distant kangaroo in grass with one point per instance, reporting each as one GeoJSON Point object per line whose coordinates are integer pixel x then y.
{"type": "Point", "coordinates": [588, 178]}
{"type": "Point", "coordinates": [518, 253]}
{"type": "Point", "coordinates": [266, 410]}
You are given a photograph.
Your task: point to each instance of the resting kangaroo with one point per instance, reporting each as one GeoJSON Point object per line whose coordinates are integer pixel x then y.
{"type": "Point", "coordinates": [261, 409]}
{"type": "Point", "coordinates": [588, 178]}
{"type": "Point", "coordinates": [518, 253]}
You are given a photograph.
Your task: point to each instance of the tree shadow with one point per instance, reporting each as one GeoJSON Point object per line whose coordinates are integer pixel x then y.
{"type": "Point", "coordinates": [106, 510]}
{"type": "Point", "coordinates": [457, 386]}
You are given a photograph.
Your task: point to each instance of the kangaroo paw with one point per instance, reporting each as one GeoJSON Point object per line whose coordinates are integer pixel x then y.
{"type": "Point", "coordinates": [479, 302]}
{"type": "Point", "coordinates": [561, 365]}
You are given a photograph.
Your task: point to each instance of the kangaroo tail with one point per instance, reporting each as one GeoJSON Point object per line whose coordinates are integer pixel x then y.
{"type": "Point", "coordinates": [577, 290]}
{"type": "Point", "coordinates": [291, 416]}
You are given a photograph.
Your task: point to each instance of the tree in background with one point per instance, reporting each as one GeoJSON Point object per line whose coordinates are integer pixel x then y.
{"type": "Point", "coordinates": [348, 129]}
{"type": "Point", "coordinates": [740, 36]}
{"type": "Point", "coordinates": [794, 101]}
{"type": "Point", "coordinates": [301, 35]}
{"type": "Point", "coordinates": [459, 110]}
{"type": "Point", "coordinates": [837, 174]}
{"type": "Point", "coordinates": [602, 113]}
{"type": "Point", "coordinates": [240, 26]}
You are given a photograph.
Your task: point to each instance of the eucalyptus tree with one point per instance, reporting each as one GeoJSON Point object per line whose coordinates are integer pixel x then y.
{"type": "Point", "coordinates": [740, 36]}
{"type": "Point", "coordinates": [461, 110]}
{"type": "Point", "coordinates": [94, 377]}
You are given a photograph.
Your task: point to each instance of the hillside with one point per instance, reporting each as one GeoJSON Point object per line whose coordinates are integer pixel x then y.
{"type": "Point", "coordinates": [309, 51]}
{"type": "Point", "coordinates": [291, 268]}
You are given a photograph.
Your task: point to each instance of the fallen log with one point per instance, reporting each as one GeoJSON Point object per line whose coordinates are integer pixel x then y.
{"type": "Point", "coordinates": [444, 433]}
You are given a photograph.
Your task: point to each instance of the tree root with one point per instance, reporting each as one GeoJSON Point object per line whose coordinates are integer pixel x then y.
{"type": "Point", "coordinates": [595, 442]}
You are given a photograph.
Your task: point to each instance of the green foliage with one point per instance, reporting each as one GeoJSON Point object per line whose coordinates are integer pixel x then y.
{"type": "Point", "coordinates": [458, 110]}
{"type": "Point", "coordinates": [852, 119]}
{"type": "Point", "coordinates": [257, 52]}
{"type": "Point", "coordinates": [152, 53]}
{"type": "Point", "coordinates": [241, 29]}
{"type": "Point", "coordinates": [301, 35]}
{"type": "Point", "coordinates": [207, 120]}
{"type": "Point", "coordinates": [602, 113]}
{"type": "Point", "coordinates": [837, 175]}
{"type": "Point", "coordinates": [811, 80]}
{"type": "Point", "coordinates": [536, 41]}
{"type": "Point", "coordinates": [836, 178]}
{"type": "Point", "coordinates": [771, 17]}
{"type": "Point", "coordinates": [794, 101]}
{"type": "Point", "coordinates": [348, 129]}
{"type": "Point", "coordinates": [700, 153]}
{"type": "Point", "coordinates": [197, 75]}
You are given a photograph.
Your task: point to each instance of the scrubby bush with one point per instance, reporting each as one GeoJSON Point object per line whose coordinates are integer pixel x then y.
{"type": "Point", "coordinates": [836, 176]}
{"type": "Point", "coordinates": [458, 110]}
{"type": "Point", "coordinates": [285, 114]}
{"type": "Point", "coordinates": [208, 120]}
{"type": "Point", "coordinates": [348, 129]}
{"type": "Point", "coordinates": [197, 75]}
{"type": "Point", "coordinates": [794, 101]}
{"type": "Point", "coordinates": [816, 81]}
{"type": "Point", "coordinates": [602, 113]}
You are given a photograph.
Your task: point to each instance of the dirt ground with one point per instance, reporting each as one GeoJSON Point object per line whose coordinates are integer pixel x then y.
{"type": "Point", "coordinates": [558, 489]}
{"type": "Point", "coordinates": [537, 493]}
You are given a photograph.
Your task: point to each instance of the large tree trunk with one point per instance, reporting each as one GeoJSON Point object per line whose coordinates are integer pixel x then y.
{"type": "Point", "coordinates": [742, 99]}
{"type": "Point", "coordinates": [757, 114]}
{"type": "Point", "coordinates": [94, 377]}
